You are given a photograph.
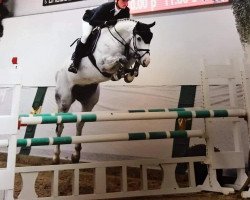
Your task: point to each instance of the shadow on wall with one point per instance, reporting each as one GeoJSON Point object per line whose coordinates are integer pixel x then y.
{"type": "Point", "coordinates": [4, 12]}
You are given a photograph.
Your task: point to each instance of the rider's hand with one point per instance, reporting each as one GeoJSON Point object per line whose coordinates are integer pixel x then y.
{"type": "Point", "coordinates": [110, 23]}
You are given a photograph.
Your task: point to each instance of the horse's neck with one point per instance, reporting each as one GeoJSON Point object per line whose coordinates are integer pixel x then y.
{"type": "Point", "coordinates": [125, 29]}
{"type": "Point", "coordinates": [108, 45]}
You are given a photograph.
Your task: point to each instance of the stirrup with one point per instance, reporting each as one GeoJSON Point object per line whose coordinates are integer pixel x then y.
{"type": "Point", "coordinates": [72, 69]}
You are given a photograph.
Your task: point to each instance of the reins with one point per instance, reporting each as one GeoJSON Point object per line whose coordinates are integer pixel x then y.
{"type": "Point", "coordinates": [126, 45]}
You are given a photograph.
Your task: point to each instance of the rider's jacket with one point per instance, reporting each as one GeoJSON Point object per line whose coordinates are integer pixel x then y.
{"type": "Point", "coordinates": [104, 12]}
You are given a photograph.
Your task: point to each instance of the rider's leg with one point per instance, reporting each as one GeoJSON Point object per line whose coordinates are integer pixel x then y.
{"type": "Point", "coordinates": [80, 48]}
{"type": "Point", "coordinates": [77, 57]}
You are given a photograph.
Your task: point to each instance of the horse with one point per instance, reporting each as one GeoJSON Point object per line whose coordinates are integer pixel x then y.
{"type": "Point", "coordinates": [117, 49]}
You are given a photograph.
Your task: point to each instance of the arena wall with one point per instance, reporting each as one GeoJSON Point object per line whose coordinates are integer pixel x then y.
{"type": "Point", "coordinates": [182, 39]}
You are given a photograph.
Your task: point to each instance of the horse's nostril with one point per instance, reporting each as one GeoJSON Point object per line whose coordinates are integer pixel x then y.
{"type": "Point", "coordinates": [145, 63]}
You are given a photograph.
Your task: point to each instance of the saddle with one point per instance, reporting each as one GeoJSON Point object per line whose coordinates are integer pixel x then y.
{"type": "Point", "coordinates": [92, 40]}
{"type": "Point", "coordinates": [91, 46]}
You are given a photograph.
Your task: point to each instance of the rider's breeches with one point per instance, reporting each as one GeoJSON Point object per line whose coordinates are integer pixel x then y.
{"type": "Point", "coordinates": [86, 30]}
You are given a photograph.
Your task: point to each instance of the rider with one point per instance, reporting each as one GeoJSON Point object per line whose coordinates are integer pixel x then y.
{"type": "Point", "coordinates": [105, 15]}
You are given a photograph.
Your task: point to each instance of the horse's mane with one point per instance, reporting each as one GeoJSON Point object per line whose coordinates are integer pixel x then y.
{"type": "Point", "coordinates": [125, 22]}
{"type": "Point", "coordinates": [127, 19]}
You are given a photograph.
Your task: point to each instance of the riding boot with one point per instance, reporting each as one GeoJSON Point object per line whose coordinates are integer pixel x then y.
{"type": "Point", "coordinates": [77, 57]}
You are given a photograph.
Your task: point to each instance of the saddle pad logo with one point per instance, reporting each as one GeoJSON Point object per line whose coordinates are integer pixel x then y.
{"type": "Point", "coordinates": [55, 2]}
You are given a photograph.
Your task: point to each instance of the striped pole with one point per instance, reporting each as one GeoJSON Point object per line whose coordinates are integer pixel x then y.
{"type": "Point", "coordinates": [112, 116]}
{"type": "Point", "coordinates": [105, 138]}
{"type": "Point", "coordinates": [128, 111]}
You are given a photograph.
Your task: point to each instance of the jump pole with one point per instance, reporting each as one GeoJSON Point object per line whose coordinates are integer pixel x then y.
{"type": "Point", "coordinates": [112, 116]}
{"type": "Point", "coordinates": [105, 138]}
{"type": "Point", "coordinates": [128, 111]}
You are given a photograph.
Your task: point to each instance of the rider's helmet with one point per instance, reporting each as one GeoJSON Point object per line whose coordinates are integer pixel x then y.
{"type": "Point", "coordinates": [122, 4]}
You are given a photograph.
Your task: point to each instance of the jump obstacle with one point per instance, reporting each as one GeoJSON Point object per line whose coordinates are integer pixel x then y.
{"type": "Point", "coordinates": [93, 117]}
{"type": "Point", "coordinates": [105, 138]}
{"type": "Point", "coordinates": [214, 160]}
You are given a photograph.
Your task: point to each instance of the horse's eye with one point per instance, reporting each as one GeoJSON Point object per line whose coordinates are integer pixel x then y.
{"type": "Point", "coordinates": [139, 39]}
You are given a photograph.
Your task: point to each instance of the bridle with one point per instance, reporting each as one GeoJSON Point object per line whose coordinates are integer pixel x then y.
{"type": "Point", "coordinates": [136, 50]}
{"type": "Point", "coordinates": [136, 55]}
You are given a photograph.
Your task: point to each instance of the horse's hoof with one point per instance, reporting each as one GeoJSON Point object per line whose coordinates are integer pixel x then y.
{"type": "Point", "coordinates": [56, 160]}
{"type": "Point", "coordinates": [115, 78]}
{"type": "Point", "coordinates": [128, 78]}
{"type": "Point", "coordinates": [75, 158]}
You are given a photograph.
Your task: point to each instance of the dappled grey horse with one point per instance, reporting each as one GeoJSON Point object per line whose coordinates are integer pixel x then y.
{"type": "Point", "coordinates": [117, 49]}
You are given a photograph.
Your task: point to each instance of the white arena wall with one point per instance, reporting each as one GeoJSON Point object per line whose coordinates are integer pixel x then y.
{"type": "Point", "coordinates": [33, 7]}
{"type": "Point", "coordinates": [182, 39]}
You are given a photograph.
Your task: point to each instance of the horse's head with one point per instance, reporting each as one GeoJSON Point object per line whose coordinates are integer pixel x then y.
{"type": "Point", "coordinates": [140, 43]}
{"type": "Point", "coordinates": [135, 37]}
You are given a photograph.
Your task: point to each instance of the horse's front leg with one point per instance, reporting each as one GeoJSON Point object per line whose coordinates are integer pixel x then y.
{"type": "Point", "coordinates": [57, 151]}
{"type": "Point", "coordinates": [113, 64]}
{"type": "Point", "coordinates": [75, 158]}
{"type": "Point", "coordinates": [132, 73]}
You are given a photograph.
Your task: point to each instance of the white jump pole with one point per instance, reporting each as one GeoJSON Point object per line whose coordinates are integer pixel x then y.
{"type": "Point", "coordinates": [111, 116]}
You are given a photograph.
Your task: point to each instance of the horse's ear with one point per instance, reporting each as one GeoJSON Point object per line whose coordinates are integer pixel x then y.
{"type": "Point", "coordinates": [151, 25]}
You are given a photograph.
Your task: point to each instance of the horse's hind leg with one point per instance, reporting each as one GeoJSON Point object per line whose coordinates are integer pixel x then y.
{"type": "Point", "coordinates": [57, 151]}
{"type": "Point", "coordinates": [63, 102]}
{"type": "Point", "coordinates": [75, 158]}
{"type": "Point", "coordinates": [87, 102]}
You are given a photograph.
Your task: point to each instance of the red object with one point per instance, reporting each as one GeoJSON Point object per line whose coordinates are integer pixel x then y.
{"type": "Point", "coordinates": [14, 60]}
{"type": "Point", "coordinates": [146, 6]}
{"type": "Point", "coordinates": [19, 125]}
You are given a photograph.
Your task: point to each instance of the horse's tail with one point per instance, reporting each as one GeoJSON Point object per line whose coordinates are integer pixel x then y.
{"type": "Point", "coordinates": [61, 77]}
